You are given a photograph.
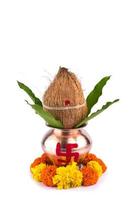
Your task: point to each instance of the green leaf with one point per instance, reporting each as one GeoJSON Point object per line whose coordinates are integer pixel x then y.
{"type": "Point", "coordinates": [51, 121]}
{"type": "Point", "coordinates": [93, 97]}
{"type": "Point", "coordinates": [104, 107]}
{"type": "Point", "coordinates": [30, 93]}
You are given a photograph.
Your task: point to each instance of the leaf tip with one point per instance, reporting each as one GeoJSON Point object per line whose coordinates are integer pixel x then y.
{"type": "Point", "coordinates": [116, 100]}
{"type": "Point", "coordinates": [108, 77]}
{"type": "Point", "coordinates": [17, 82]}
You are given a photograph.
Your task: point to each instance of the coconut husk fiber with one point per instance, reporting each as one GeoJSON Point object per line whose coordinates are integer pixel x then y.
{"type": "Point", "coordinates": [65, 90]}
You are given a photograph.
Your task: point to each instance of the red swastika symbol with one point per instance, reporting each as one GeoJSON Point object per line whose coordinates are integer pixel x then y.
{"type": "Point", "coordinates": [68, 154]}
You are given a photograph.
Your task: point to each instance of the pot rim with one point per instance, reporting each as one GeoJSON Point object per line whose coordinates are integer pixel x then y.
{"type": "Point", "coordinates": [66, 129]}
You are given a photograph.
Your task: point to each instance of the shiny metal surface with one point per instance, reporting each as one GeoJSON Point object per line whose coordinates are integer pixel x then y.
{"type": "Point", "coordinates": [66, 136]}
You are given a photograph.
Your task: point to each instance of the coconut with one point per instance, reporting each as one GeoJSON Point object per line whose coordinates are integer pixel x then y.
{"type": "Point", "coordinates": [64, 99]}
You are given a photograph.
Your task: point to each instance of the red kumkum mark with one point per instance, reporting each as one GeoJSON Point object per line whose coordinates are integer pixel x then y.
{"type": "Point", "coordinates": [67, 102]}
{"type": "Point", "coordinates": [68, 154]}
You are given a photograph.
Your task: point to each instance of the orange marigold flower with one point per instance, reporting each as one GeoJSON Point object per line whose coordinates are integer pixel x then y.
{"type": "Point", "coordinates": [102, 164]}
{"type": "Point", "coordinates": [47, 175]}
{"type": "Point", "coordinates": [89, 157]}
{"type": "Point", "coordinates": [45, 159]}
{"type": "Point", "coordinates": [37, 161]}
{"type": "Point", "coordinates": [90, 176]}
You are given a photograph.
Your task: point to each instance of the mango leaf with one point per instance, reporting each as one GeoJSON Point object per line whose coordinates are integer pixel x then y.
{"type": "Point", "coordinates": [94, 95]}
{"type": "Point", "coordinates": [30, 93]}
{"type": "Point", "coordinates": [51, 121]}
{"type": "Point", "coordinates": [104, 107]}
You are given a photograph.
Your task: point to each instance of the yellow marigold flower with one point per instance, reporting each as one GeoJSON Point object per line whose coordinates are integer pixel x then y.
{"type": "Point", "coordinates": [36, 171]}
{"type": "Point", "coordinates": [96, 166]}
{"type": "Point", "coordinates": [67, 177]}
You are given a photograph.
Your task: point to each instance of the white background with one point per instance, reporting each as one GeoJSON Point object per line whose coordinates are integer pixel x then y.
{"type": "Point", "coordinates": [93, 39]}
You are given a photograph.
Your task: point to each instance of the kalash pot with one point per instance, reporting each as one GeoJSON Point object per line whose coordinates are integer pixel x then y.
{"type": "Point", "coordinates": [65, 145]}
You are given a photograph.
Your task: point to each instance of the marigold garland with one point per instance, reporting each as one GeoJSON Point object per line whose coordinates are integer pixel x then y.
{"type": "Point", "coordinates": [104, 167]}
{"type": "Point", "coordinates": [89, 157]}
{"type": "Point", "coordinates": [90, 176]}
{"type": "Point", "coordinates": [37, 170]}
{"type": "Point", "coordinates": [67, 177]}
{"type": "Point", "coordinates": [96, 166]}
{"type": "Point", "coordinates": [45, 159]}
{"type": "Point", "coordinates": [74, 174]}
{"type": "Point", "coordinates": [37, 161]}
{"type": "Point", "coordinates": [47, 175]}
